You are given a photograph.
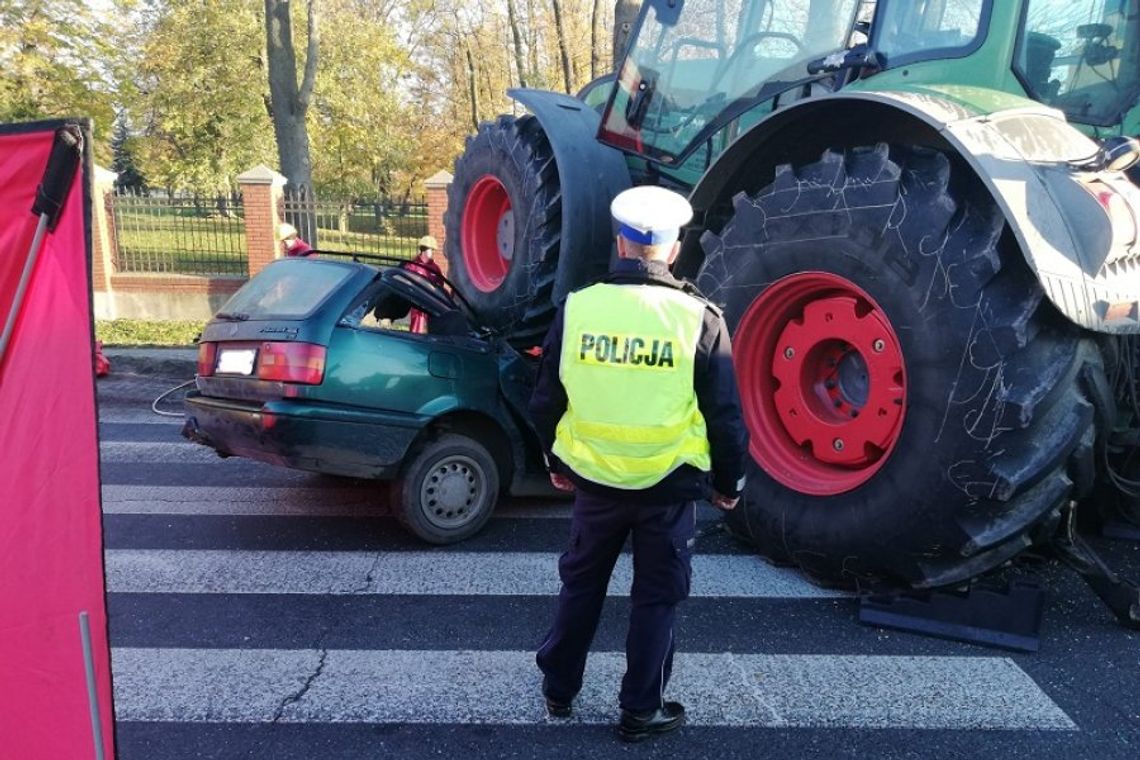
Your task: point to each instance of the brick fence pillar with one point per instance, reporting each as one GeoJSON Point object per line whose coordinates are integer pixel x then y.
{"type": "Point", "coordinates": [102, 230]}
{"type": "Point", "coordinates": [436, 187]}
{"type": "Point", "coordinates": [261, 196]}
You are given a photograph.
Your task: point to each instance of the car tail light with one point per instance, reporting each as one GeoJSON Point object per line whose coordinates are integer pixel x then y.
{"type": "Point", "coordinates": [207, 358]}
{"type": "Point", "coordinates": [291, 363]}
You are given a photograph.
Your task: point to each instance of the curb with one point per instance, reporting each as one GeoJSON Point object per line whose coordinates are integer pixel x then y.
{"type": "Point", "coordinates": [163, 362]}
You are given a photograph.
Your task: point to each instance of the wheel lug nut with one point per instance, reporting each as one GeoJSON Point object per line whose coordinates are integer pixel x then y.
{"type": "Point", "coordinates": [837, 403]}
{"type": "Point", "coordinates": [837, 444]}
{"type": "Point", "coordinates": [829, 384]}
{"type": "Point", "coordinates": [789, 352]}
{"type": "Point", "coordinates": [878, 345]}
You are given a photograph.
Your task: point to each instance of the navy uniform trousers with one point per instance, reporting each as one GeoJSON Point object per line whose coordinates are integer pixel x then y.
{"type": "Point", "coordinates": [663, 536]}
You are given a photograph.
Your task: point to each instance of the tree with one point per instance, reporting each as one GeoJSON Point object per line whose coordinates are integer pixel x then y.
{"type": "Point", "coordinates": [595, 34]}
{"type": "Point", "coordinates": [473, 87]}
{"type": "Point", "coordinates": [288, 101]}
{"type": "Point", "coordinates": [123, 162]}
{"type": "Point", "coordinates": [50, 53]}
{"type": "Point", "coordinates": [362, 127]}
{"type": "Point", "coordinates": [516, 39]}
{"type": "Point", "coordinates": [199, 121]}
{"type": "Point", "coordinates": [563, 47]}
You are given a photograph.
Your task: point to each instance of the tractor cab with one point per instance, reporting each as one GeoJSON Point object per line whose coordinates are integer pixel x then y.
{"type": "Point", "coordinates": [695, 66]}
{"type": "Point", "coordinates": [698, 72]}
{"type": "Point", "coordinates": [1081, 57]}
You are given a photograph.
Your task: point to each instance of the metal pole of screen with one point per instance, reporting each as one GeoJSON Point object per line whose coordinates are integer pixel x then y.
{"type": "Point", "coordinates": [92, 694]}
{"type": "Point", "coordinates": [59, 174]}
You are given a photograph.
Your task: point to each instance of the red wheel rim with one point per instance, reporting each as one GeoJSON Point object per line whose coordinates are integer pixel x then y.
{"type": "Point", "coordinates": [488, 233]}
{"type": "Point", "coordinates": [822, 383]}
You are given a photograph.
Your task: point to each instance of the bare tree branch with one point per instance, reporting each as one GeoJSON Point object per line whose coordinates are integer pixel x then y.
{"type": "Point", "coordinates": [563, 48]}
{"type": "Point", "coordinates": [304, 96]}
{"type": "Point", "coordinates": [516, 35]}
{"type": "Point", "coordinates": [474, 89]}
{"type": "Point", "coordinates": [595, 32]}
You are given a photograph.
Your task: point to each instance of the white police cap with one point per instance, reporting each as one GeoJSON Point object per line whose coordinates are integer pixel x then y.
{"type": "Point", "coordinates": [650, 215]}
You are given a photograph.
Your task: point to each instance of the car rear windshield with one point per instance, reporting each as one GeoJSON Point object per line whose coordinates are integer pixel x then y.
{"type": "Point", "coordinates": [290, 288]}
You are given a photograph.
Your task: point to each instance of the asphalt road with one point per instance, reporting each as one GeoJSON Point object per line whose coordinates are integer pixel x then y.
{"type": "Point", "coordinates": [264, 613]}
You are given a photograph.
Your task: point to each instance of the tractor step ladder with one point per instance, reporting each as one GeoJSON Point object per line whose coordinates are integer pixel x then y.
{"type": "Point", "coordinates": [1120, 595]}
{"type": "Point", "coordinates": [1007, 617]}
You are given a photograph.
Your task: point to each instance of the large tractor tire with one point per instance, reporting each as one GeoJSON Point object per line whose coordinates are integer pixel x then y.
{"type": "Point", "coordinates": [917, 411]}
{"type": "Point", "coordinates": [504, 227]}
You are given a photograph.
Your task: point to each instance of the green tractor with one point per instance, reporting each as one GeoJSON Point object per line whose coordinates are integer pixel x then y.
{"type": "Point", "coordinates": [916, 217]}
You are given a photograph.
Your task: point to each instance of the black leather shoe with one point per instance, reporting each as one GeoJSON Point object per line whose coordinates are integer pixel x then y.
{"type": "Point", "coordinates": [638, 726]}
{"type": "Point", "coordinates": [556, 708]}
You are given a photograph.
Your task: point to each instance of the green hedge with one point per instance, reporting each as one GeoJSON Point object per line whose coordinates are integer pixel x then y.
{"type": "Point", "coordinates": [145, 332]}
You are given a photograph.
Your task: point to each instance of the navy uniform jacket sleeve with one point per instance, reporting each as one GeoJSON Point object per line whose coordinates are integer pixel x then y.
{"type": "Point", "coordinates": [548, 403]}
{"type": "Point", "coordinates": [715, 384]}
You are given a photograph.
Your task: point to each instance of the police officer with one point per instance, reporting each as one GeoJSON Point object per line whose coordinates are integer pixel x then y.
{"type": "Point", "coordinates": [637, 407]}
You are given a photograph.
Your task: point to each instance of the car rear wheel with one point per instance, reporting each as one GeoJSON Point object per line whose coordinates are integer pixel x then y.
{"type": "Point", "coordinates": [447, 489]}
{"type": "Point", "coordinates": [917, 410]}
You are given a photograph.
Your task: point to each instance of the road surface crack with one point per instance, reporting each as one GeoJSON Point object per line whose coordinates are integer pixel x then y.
{"type": "Point", "coordinates": [298, 695]}
{"type": "Point", "coordinates": [369, 577]}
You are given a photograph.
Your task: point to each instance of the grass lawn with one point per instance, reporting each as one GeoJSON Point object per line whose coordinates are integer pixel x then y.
{"type": "Point", "coordinates": [145, 332]}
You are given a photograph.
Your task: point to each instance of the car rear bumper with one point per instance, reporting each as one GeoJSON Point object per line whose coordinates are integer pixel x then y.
{"type": "Point", "coordinates": [303, 436]}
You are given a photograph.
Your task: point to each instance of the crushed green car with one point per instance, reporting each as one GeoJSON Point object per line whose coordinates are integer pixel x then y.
{"type": "Point", "coordinates": [309, 366]}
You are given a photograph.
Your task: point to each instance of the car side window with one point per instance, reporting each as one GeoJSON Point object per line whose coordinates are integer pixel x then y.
{"type": "Point", "coordinates": [379, 308]}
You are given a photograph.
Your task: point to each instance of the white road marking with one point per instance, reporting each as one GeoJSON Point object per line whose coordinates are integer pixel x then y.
{"type": "Point", "coordinates": [137, 415]}
{"type": "Point", "coordinates": [361, 499]}
{"type": "Point", "coordinates": [156, 452]}
{"type": "Point", "coordinates": [419, 573]}
{"type": "Point", "coordinates": [502, 687]}
{"type": "Point", "coordinates": [334, 501]}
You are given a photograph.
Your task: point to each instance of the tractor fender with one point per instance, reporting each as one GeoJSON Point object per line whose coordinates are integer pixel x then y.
{"type": "Point", "coordinates": [1077, 229]}
{"type": "Point", "coordinates": [590, 175]}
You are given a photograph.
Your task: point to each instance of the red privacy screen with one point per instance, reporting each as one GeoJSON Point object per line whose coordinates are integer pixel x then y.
{"type": "Point", "coordinates": [51, 548]}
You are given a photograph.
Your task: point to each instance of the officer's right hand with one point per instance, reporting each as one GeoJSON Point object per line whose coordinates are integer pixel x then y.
{"type": "Point", "coordinates": [723, 502]}
{"type": "Point", "coordinates": [562, 483]}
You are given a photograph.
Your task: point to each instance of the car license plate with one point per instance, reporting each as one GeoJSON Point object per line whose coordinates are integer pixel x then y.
{"type": "Point", "coordinates": [236, 361]}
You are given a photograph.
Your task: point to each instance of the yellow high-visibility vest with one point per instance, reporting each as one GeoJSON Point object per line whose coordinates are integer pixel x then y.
{"type": "Point", "coordinates": [627, 363]}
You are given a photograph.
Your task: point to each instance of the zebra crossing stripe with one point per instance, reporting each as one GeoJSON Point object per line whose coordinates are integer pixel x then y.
{"type": "Point", "coordinates": [215, 500]}
{"type": "Point", "coordinates": [155, 452]}
{"type": "Point", "coordinates": [502, 687]}
{"type": "Point", "coordinates": [137, 415]}
{"type": "Point", "coordinates": [420, 573]}
{"type": "Point", "coordinates": [364, 500]}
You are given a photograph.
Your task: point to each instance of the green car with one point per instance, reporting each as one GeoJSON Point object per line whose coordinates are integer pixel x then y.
{"type": "Point", "coordinates": [310, 366]}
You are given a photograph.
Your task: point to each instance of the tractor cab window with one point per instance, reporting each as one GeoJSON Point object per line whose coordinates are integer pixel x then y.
{"type": "Point", "coordinates": [914, 30]}
{"type": "Point", "coordinates": [694, 65]}
{"type": "Point", "coordinates": [1081, 56]}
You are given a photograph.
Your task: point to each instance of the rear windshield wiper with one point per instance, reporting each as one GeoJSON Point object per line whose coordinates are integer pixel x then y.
{"type": "Point", "coordinates": [239, 316]}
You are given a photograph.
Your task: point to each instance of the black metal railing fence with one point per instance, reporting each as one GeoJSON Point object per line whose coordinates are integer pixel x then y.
{"type": "Point", "coordinates": [385, 226]}
{"type": "Point", "coordinates": [158, 232]}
